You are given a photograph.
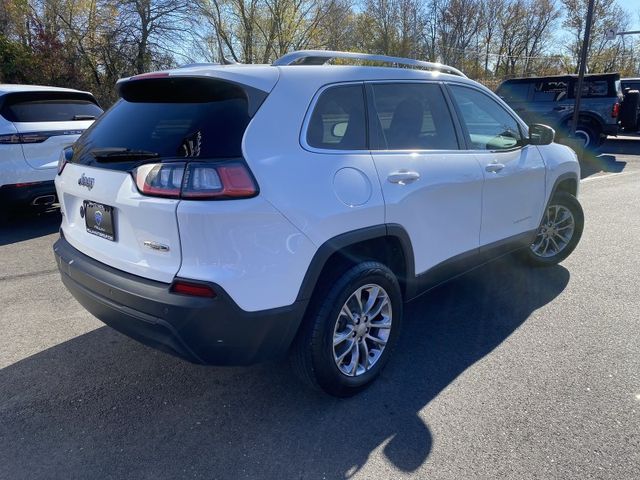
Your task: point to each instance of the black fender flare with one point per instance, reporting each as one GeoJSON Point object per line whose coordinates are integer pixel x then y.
{"type": "Point", "coordinates": [342, 241]}
{"type": "Point", "coordinates": [561, 178]}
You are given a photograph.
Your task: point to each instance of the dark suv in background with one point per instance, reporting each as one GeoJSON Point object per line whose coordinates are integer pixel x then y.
{"type": "Point", "coordinates": [550, 101]}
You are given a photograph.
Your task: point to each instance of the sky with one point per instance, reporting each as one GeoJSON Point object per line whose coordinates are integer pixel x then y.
{"type": "Point", "coordinates": [633, 7]}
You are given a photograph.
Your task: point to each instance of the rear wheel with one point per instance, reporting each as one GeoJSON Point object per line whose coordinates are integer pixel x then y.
{"type": "Point", "coordinates": [589, 135]}
{"type": "Point", "coordinates": [559, 231]}
{"type": "Point", "coordinates": [350, 330]}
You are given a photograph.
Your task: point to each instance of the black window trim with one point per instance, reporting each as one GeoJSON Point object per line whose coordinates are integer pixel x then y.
{"type": "Point", "coordinates": [307, 119]}
{"type": "Point", "coordinates": [524, 130]}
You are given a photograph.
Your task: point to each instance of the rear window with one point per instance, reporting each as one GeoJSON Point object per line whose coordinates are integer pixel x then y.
{"type": "Point", "coordinates": [49, 107]}
{"type": "Point", "coordinates": [597, 86]}
{"type": "Point", "coordinates": [198, 120]}
{"type": "Point", "coordinates": [594, 88]}
{"type": "Point", "coordinates": [208, 130]}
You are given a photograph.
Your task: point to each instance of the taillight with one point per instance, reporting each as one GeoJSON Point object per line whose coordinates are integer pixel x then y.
{"type": "Point", "coordinates": [195, 180]}
{"type": "Point", "coordinates": [160, 179]}
{"type": "Point", "coordinates": [615, 110]}
{"type": "Point", "coordinates": [35, 137]}
{"type": "Point", "coordinates": [14, 138]}
{"type": "Point", "coordinates": [193, 289]}
{"type": "Point", "coordinates": [65, 156]}
{"type": "Point", "coordinates": [9, 139]}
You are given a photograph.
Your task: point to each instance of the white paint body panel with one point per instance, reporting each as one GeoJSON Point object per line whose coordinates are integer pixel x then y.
{"type": "Point", "coordinates": [137, 219]}
{"type": "Point", "coordinates": [45, 155]}
{"type": "Point", "coordinates": [441, 211]}
{"type": "Point", "coordinates": [247, 247]}
{"type": "Point", "coordinates": [300, 183]}
{"type": "Point", "coordinates": [559, 160]}
{"type": "Point", "coordinates": [513, 198]}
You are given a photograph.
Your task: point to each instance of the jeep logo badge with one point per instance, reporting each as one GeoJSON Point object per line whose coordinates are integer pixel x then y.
{"type": "Point", "coordinates": [84, 181]}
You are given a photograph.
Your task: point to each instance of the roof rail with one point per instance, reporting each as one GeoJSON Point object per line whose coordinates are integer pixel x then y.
{"type": "Point", "coordinates": [320, 57]}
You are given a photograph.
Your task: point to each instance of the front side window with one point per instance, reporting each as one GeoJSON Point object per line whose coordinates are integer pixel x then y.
{"type": "Point", "coordinates": [488, 124]}
{"type": "Point", "coordinates": [412, 116]}
{"type": "Point", "coordinates": [512, 92]}
{"type": "Point", "coordinates": [338, 119]}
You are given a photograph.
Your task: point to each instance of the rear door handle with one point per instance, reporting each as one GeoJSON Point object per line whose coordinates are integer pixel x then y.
{"type": "Point", "coordinates": [494, 167]}
{"type": "Point", "coordinates": [403, 177]}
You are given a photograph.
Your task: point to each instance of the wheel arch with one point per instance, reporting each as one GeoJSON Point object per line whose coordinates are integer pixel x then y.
{"type": "Point", "coordinates": [566, 182]}
{"type": "Point", "coordinates": [387, 243]}
{"type": "Point", "coordinates": [591, 118]}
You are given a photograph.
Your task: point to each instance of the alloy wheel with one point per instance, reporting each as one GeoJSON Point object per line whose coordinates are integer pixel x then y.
{"type": "Point", "coordinates": [555, 232]}
{"type": "Point", "coordinates": [362, 330]}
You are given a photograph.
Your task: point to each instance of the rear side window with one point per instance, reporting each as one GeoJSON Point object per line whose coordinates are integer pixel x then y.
{"type": "Point", "coordinates": [488, 124]}
{"type": "Point", "coordinates": [594, 88]}
{"type": "Point", "coordinates": [338, 119]}
{"type": "Point", "coordinates": [514, 91]}
{"type": "Point", "coordinates": [550, 90]}
{"type": "Point", "coordinates": [49, 107]}
{"type": "Point", "coordinates": [412, 117]}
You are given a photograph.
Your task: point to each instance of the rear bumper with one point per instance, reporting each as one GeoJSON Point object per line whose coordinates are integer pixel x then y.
{"type": "Point", "coordinates": [23, 194]}
{"type": "Point", "coordinates": [201, 330]}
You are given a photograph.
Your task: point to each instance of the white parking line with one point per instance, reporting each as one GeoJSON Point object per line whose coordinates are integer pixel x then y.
{"type": "Point", "coordinates": [609, 175]}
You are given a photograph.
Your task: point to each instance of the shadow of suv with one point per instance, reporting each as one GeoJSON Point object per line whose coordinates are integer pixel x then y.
{"type": "Point", "coordinates": [550, 101]}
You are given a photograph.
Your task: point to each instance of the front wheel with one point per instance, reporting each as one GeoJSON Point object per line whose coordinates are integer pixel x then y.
{"type": "Point", "coordinates": [559, 231]}
{"type": "Point", "coordinates": [350, 330]}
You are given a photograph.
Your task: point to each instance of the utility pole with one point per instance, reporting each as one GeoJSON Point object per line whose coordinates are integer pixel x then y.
{"type": "Point", "coordinates": [582, 67]}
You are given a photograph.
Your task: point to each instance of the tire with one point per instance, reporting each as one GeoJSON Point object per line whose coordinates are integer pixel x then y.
{"type": "Point", "coordinates": [553, 245]}
{"type": "Point", "coordinates": [629, 111]}
{"type": "Point", "coordinates": [314, 358]}
{"type": "Point", "coordinates": [589, 135]}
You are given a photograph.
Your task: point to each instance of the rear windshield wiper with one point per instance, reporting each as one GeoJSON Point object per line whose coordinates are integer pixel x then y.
{"type": "Point", "coordinates": [84, 117]}
{"type": "Point", "coordinates": [120, 153]}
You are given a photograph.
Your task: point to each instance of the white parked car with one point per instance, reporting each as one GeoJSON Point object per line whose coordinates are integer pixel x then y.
{"type": "Point", "coordinates": [36, 123]}
{"type": "Point", "coordinates": [230, 214]}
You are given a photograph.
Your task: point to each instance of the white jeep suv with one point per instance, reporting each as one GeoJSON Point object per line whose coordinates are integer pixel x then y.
{"type": "Point", "coordinates": [36, 123]}
{"type": "Point", "coordinates": [230, 214]}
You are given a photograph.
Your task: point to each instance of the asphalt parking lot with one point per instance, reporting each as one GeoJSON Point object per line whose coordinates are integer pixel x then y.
{"type": "Point", "coordinates": [506, 372]}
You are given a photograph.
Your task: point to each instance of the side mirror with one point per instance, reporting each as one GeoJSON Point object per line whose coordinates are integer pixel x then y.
{"type": "Point", "coordinates": [541, 134]}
